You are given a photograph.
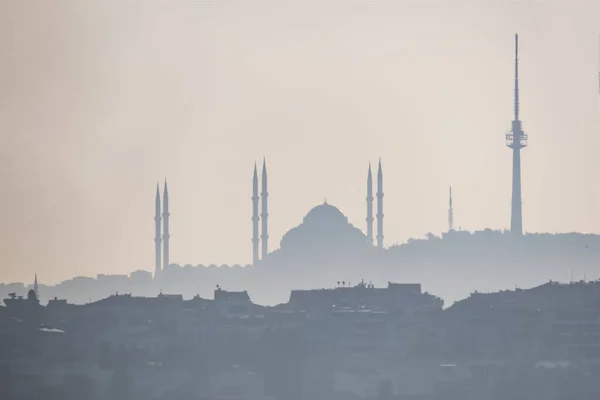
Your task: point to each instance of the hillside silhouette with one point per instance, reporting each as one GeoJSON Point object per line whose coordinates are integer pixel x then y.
{"type": "Point", "coordinates": [451, 266]}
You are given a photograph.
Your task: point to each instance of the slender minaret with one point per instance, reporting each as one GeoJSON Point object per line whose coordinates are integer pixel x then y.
{"type": "Point", "coordinates": [35, 287]}
{"type": "Point", "coordinates": [450, 213]}
{"type": "Point", "coordinates": [379, 206]}
{"type": "Point", "coordinates": [264, 215]}
{"type": "Point", "coordinates": [516, 139]}
{"type": "Point", "coordinates": [166, 235]}
{"type": "Point", "coordinates": [157, 237]}
{"type": "Point", "coordinates": [370, 206]}
{"type": "Point", "coordinates": [255, 217]}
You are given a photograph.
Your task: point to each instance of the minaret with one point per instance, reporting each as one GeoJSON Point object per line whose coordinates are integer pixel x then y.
{"type": "Point", "coordinates": [166, 235]}
{"type": "Point", "coordinates": [255, 217]}
{"type": "Point", "coordinates": [450, 213]}
{"type": "Point", "coordinates": [264, 215]}
{"type": "Point", "coordinates": [370, 206]}
{"type": "Point", "coordinates": [379, 207]}
{"type": "Point", "coordinates": [516, 139]}
{"type": "Point", "coordinates": [157, 238]}
{"type": "Point", "coordinates": [35, 287]}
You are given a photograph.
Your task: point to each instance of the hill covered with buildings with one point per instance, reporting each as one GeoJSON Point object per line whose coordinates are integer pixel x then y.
{"type": "Point", "coordinates": [360, 341]}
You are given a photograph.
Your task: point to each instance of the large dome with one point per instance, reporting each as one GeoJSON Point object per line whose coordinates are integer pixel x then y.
{"type": "Point", "coordinates": [325, 213]}
{"type": "Point", "coordinates": [324, 230]}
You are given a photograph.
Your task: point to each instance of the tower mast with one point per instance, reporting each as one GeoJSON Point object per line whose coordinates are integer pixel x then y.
{"type": "Point", "coordinates": [516, 139]}
{"type": "Point", "coordinates": [166, 234]}
{"type": "Point", "coordinates": [450, 213]}
{"type": "Point", "coordinates": [157, 237]}
{"type": "Point", "coordinates": [264, 214]}
{"type": "Point", "coordinates": [379, 206]}
{"type": "Point", "coordinates": [370, 206]}
{"type": "Point", "coordinates": [255, 216]}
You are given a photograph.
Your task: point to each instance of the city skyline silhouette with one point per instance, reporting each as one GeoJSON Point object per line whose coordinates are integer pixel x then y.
{"type": "Point", "coordinates": [94, 117]}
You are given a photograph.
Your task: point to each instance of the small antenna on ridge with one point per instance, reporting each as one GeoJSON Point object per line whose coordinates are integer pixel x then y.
{"type": "Point", "coordinates": [570, 276]}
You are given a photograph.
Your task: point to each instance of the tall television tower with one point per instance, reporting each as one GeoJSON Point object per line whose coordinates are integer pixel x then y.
{"type": "Point", "coordinates": [516, 139]}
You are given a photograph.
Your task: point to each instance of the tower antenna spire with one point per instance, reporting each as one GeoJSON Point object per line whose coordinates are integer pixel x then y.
{"type": "Point", "coordinates": [599, 72]}
{"type": "Point", "coordinates": [516, 139]}
{"type": "Point", "coordinates": [516, 95]}
{"type": "Point", "coordinates": [450, 212]}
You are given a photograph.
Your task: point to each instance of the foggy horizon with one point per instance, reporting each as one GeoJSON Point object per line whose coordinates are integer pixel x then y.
{"type": "Point", "coordinates": [100, 101]}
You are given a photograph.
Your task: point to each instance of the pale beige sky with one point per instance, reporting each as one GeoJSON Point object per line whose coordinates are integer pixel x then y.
{"type": "Point", "coordinates": [100, 99]}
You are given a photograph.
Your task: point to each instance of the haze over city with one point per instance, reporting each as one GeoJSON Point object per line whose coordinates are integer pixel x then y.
{"type": "Point", "coordinates": [300, 200]}
{"type": "Point", "coordinates": [101, 100]}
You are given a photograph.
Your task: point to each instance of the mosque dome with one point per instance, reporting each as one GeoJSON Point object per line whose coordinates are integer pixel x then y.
{"type": "Point", "coordinates": [325, 214]}
{"type": "Point", "coordinates": [324, 230]}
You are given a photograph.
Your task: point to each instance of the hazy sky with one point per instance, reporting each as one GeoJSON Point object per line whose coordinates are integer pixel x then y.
{"type": "Point", "coordinates": [100, 99]}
